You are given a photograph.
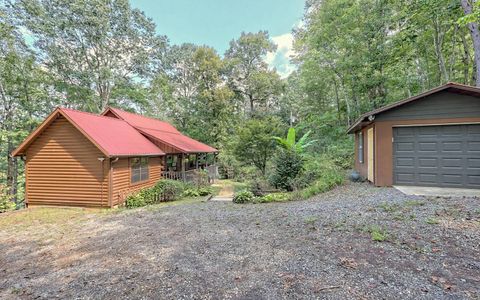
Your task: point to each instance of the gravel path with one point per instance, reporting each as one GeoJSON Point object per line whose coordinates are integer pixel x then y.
{"type": "Point", "coordinates": [320, 248]}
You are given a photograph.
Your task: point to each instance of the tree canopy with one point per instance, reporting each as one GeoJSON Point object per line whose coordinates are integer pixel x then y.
{"type": "Point", "coordinates": [350, 57]}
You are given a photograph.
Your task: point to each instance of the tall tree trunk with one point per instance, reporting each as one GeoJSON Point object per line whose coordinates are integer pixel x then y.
{"type": "Point", "coordinates": [438, 42]}
{"type": "Point", "coordinates": [339, 116]}
{"type": "Point", "coordinates": [465, 59]}
{"type": "Point", "coordinates": [12, 172]}
{"type": "Point", "coordinates": [349, 110]}
{"type": "Point", "coordinates": [475, 33]}
{"type": "Point", "coordinates": [252, 103]}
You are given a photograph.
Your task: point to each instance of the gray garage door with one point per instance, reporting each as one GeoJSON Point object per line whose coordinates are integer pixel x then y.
{"type": "Point", "coordinates": [446, 156]}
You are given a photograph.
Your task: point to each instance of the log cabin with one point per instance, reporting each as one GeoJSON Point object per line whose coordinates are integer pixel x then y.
{"type": "Point", "coordinates": [81, 159]}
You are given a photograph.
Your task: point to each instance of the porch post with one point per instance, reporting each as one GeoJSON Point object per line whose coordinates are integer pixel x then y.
{"type": "Point", "coordinates": [215, 167]}
{"type": "Point", "coordinates": [196, 161]}
{"type": "Point", "coordinates": [183, 167]}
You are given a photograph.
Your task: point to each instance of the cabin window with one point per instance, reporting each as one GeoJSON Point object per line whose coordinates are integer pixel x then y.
{"type": "Point", "coordinates": [139, 167]}
{"type": "Point", "coordinates": [360, 147]}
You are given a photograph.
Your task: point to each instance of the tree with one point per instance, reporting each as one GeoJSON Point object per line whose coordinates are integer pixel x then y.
{"type": "Point", "coordinates": [472, 17]}
{"type": "Point", "coordinates": [210, 120]}
{"type": "Point", "coordinates": [22, 97]}
{"type": "Point", "coordinates": [91, 48]}
{"type": "Point", "coordinates": [181, 77]}
{"type": "Point", "coordinates": [289, 160]}
{"type": "Point", "coordinates": [291, 144]}
{"type": "Point", "coordinates": [253, 141]}
{"type": "Point", "coordinates": [249, 76]}
{"type": "Point", "coordinates": [355, 56]}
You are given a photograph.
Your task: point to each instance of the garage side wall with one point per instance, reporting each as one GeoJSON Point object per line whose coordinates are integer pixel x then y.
{"type": "Point", "coordinates": [362, 168]}
{"type": "Point", "coordinates": [121, 183]}
{"type": "Point", "coordinates": [62, 169]}
{"type": "Point", "coordinates": [384, 143]}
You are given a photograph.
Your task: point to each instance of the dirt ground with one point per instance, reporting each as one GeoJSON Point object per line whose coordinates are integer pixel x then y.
{"type": "Point", "coordinates": [356, 242]}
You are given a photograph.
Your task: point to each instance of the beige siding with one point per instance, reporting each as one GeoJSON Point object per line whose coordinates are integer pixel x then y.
{"type": "Point", "coordinates": [62, 168]}
{"type": "Point", "coordinates": [121, 178]}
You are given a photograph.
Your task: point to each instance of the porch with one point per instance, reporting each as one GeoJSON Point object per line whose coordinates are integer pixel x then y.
{"type": "Point", "coordinates": [191, 167]}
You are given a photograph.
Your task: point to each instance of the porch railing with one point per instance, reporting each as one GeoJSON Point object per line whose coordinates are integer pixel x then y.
{"type": "Point", "coordinates": [193, 175]}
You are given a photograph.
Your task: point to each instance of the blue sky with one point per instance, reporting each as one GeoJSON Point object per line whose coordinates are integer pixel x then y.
{"type": "Point", "coordinates": [216, 22]}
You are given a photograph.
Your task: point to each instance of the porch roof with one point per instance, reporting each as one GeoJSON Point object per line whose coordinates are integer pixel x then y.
{"type": "Point", "coordinates": [162, 132]}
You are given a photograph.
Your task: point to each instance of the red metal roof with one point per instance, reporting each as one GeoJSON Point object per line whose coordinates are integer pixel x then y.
{"type": "Point", "coordinates": [115, 137]}
{"type": "Point", "coordinates": [141, 121]}
{"type": "Point", "coordinates": [162, 131]}
{"type": "Point", "coordinates": [179, 141]}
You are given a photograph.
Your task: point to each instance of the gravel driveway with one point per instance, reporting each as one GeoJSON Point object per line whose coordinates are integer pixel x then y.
{"type": "Point", "coordinates": [428, 248]}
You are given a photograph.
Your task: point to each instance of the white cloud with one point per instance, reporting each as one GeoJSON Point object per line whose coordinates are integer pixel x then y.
{"type": "Point", "coordinates": [280, 59]}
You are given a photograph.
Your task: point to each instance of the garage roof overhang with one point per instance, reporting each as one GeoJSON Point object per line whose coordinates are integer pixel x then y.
{"type": "Point", "coordinates": [369, 117]}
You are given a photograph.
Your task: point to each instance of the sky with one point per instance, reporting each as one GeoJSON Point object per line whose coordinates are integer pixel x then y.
{"type": "Point", "coordinates": [216, 22]}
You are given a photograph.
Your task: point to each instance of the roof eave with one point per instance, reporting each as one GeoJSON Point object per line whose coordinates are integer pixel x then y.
{"type": "Point", "coordinates": [138, 155]}
{"type": "Point", "coordinates": [446, 86]}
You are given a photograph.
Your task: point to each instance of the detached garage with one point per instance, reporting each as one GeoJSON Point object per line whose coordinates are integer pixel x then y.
{"type": "Point", "coordinates": [432, 139]}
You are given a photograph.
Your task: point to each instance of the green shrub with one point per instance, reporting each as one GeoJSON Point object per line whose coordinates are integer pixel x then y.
{"type": "Point", "coordinates": [164, 190]}
{"type": "Point", "coordinates": [259, 185]}
{"type": "Point", "coordinates": [191, 193]}
{"type": "Point", "coordinates": [288, 165]}
{"type": "Point", "coordinates": [6, 202]}
{"type": "Point", "coordinates": [341, 154]}
{"type": "Point", "coordinates": [196, 191]}
{"type": "Point", "coordinates": [135, 200]}
{"type": "Point", "coordinates": [171, 189]}
{"type": "Point", "coordinates": [204, 191]}
{"type": "Point", "coordinates": [327, 181]}
{"type": "Point", "coordinates": [243, 197]}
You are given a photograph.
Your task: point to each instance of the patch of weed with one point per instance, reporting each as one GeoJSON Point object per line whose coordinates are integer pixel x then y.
{"type": "Point", "coordinates": [431, 221]}
{"type": "Point", "coordinates": [377, 233]}
{"type": "Point", "coordinates": [389, 207]}
{"type": "Point", "coordinates": [310, 220]}
{"type": "Point", "coordinates": [399, 217]}
{"type": "Point", "coordinates": [341, 225]}
{"type": "Point", "coordinates": [414, 202]}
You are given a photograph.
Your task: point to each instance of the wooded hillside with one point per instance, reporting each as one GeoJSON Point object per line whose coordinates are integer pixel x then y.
{"type": "Point", "coordinates": [352, 56]}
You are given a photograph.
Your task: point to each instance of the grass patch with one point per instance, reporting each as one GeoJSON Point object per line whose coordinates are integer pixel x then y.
{"type": "Point", "coordinates": [237, 186]}
{"type": "Point", "coordinates": [400, 216]}
{"type": "Point", "coordinates": [183, 201]}
{"type": "Point", "coordinates": [389, 207]}
{"type": "Point", "coordinates": [340, 225]}
{"type": "Point", "coordinates": [40, 216]}
{"type": "Point", "coordinates": [432, 221]}
{"type": "Point", "coordinates": [413, 203]}
{"type": "Point", "coordinates": [310, 220]}
{"type": "Point", "coordinates": [329, 180]}
{"type": "Point", "coordinates": [377, 233]}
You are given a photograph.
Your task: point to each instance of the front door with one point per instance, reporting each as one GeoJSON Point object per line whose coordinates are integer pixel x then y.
{"type": "Point", "coordinates": [370, 160]}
